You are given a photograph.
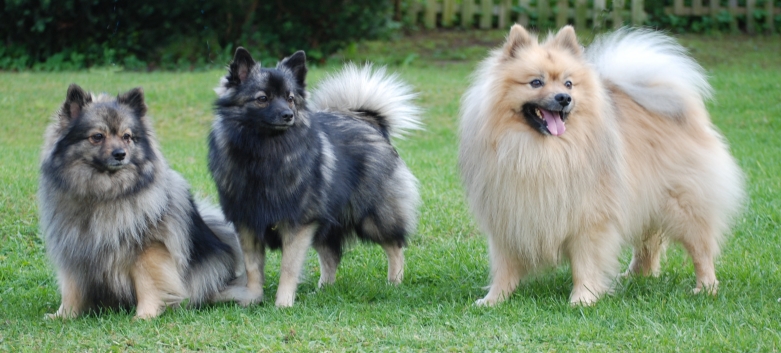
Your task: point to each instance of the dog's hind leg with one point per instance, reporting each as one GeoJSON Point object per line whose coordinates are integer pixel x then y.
{"type": "Point", "coordinates": [506, 273]}
{"type": "Point", "coordinates": [329, 262]}
{"type": "Point", "coordinates": [694, 224]}
{"type": "Point", "coordinates": [72, 297]}
{"type": "Point", "coordinates": [295, 243]}
{"type": "Point", "coordinates": [395, 255]}
{"type": "Point", "coordinates": [647, 255]}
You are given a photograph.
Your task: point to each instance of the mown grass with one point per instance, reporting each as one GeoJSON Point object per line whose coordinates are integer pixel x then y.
{"type": "Point", "coordinates": [447, 264]}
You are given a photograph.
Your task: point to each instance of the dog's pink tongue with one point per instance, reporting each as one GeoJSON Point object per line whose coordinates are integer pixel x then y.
{"type": "Point", "coordinates": [555, 124]}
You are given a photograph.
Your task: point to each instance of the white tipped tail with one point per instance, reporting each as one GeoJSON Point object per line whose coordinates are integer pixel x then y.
{"type": "Point", "coordinates": [364, 89]}
{"type": "Point", "coordinates": [652, 68]}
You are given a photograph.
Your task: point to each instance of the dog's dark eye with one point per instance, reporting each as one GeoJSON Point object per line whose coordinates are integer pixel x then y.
{"type": "Point", "coordinates": [263, 99]}
{"type": "Point", "coordinates": [290, 98]}
{"type": "Point", "coordinates": [568, 84]}
{"type": "Point", "coordinates": [96, 138]}
{"type": "Point", "coordinates": [126, 137]}
{"type": "Point", "coordinates": [536, 83]}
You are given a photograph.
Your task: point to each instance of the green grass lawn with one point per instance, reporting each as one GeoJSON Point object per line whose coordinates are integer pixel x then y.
{"type": "Point", "coordinates": [447, 263]}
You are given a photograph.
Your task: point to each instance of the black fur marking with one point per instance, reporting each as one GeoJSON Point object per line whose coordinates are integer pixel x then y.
{"type": "Point", "coordinates": [376, 119]}
{"type": "Point", "coordinates": [203, 242]}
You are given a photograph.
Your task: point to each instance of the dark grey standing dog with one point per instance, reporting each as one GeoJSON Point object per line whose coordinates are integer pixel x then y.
{"type": "Point", "coordinates": [291, 176]}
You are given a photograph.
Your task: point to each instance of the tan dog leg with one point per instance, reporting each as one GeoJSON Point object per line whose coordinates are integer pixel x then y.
{"type": "Point", "coordinates": [506, 274]}
{"type": "Point", "coordinates": [329, 262]}
{"type": "Point", "coordinates": [295, 243]}
{"type": "Point", "coordinates": [72, 297]}
{"type": "Point", "coordinates": [157, 282]}
{"type": "Point", "coordinates": [395, 255]}
{"type": "Point", "coordinates": [593, 257]}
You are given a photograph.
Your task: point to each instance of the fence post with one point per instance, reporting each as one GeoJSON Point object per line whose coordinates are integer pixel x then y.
{"type": "Point", "coordinates": [638, 12]}
{"type": "Point", "coordinates": [523, 17]}
{"type": "Point", "coordinates": [543, 13]}
{"type": "Point", "coordinates": [733, 11]}
{"type": "Point", "coordinates": [618, 13]}
{"type": "Point", "coordinates": [599, 9]}
{"type": "Point", "coordinates": [505, 8]}
{"type": "Point", "coordinates": [714, 8]}
{"type": "Point", "coordinates": [467, 13]}
{"type": "Point", "coordinates": [430, 17]}
{"type": "Point", "coordinates": [697, 7]}
{"type": "Point", "coordinates": [750, 22]}
{"type": "Point", "coordinates": [448, 12]}
{"type": "Point", "coordinates": [562, 14]}
{"type": "Point", "coordinates": [771, 14]}
{"type": "Point", "coordinates": [486, 13]}
{"type": "Point", "coordinates": [581, 8]}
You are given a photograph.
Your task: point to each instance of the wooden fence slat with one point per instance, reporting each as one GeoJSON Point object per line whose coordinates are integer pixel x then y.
{"type": "Point", "coordinates": [678, 6]}
{"type": "Point", "coordinates": [599, 9]}
{"type": "Point", "coordinates": [638, 15]}
{"type": "Point", "coordinates": [697, 8]}
{"type": "Point", "coordinates": [563, 13]}
{"type": "Point", "coordinates": [733, 10]}
{"type": "Point", "coordinates": [504, 13]}
{"type": "Point", "coordinates": [771, 13]}
{"type": "Point", "coordinates": [714, 8]}
{"type": "Point", "coordinates": [467, 13]}
{"type": "Point", "coordinates": [543, 13]}
{"type": "Point", "coordinates": [581, 11]}
{"type": "Point", "coordinates": [486, 13]}
{"type": "Point", "coordinates": [523, 17]}
{"type": "Point", "coordinates": [618, 13]}
{"type": "Point", "coordinates": [430, 17]}
{"type": "Point", "coordinates": [448, 12]}
{"type": "Point", "coordinates": [444, 13]}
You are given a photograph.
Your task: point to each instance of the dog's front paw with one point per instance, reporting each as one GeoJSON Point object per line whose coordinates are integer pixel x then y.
{"type": "Point", "coordinates": [61, 314]}
{"type": "Point", "coordinates": [711, 289]}
{"type": "Point", "coordinates": [486, 302]}
{"type": "Point", "coordinates": [285, 301]}
{"type": "Point", "coordinates": [251, 300]}
{"type": "Point", "coordinates": [583, 298]}
{"type": "Point", "coordinates": [146, 311]}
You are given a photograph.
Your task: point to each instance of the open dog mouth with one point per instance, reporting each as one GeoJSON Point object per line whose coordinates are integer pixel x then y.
{"type": "Point", "coordinates": [546, 121]}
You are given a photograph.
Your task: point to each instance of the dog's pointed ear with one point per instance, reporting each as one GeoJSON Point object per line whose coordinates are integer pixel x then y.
{"type": "Point", "coordinates": [240, 67]}
{"type": "Point", "coordinates": [518, 38]}
{"type": "Point", "coordinates": [296, 63]}
{"type": "Point", "coordinates": [134, 98]}
{"type": "Point", "coordinates": [567, 39]}
{"type": "Point", "coordinates": [75, 100]}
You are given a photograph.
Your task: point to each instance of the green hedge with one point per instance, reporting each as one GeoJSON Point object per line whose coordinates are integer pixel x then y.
{"type": "Point", "coordinates": [178, 34]}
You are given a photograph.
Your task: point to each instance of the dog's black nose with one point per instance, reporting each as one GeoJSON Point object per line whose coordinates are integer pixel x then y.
{"type": "Point", "coordinates": [287, 116]}
{"type": "Point", "coordinates": [118, 154]}
{"type": "Point", "coordinates": [563, 99]}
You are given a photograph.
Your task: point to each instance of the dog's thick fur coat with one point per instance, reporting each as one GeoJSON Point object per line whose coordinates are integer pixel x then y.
{"type": "Point", "coordinates": [291, 176]}
{"type": "Point", "coordinates": [569, 155]}
{"type": "Point", "coordinates": [120, 226]}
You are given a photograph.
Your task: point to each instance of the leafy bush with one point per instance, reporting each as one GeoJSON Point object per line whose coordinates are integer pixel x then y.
{"type": "Point", "coordinates": [178, 34]}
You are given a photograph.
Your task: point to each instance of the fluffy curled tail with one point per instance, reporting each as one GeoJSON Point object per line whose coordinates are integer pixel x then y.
{"type": "Point", "coordinates": [652, 68]}
{"type": "Point", "coordinates": [225, 231]}
{"type": "Point", "coordinates": [375, 93]}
